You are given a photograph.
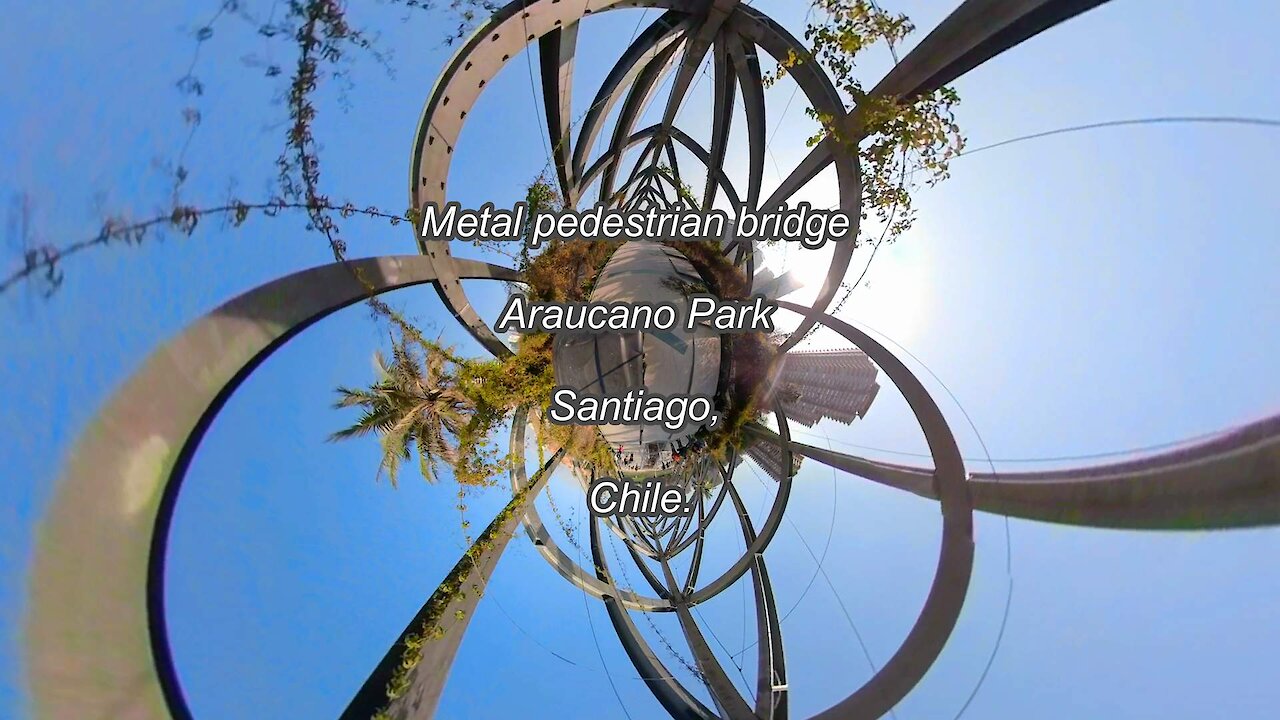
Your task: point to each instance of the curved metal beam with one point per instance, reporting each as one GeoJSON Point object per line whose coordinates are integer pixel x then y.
{"type": "Point", "coordinates": [670, 150]}
{"type": "Point", "coordinates": [638, 98]}
{"type": "Point", "coordinates": [822, 95]}
{"type": "Point", "coordinates": [746, 66]}
{"type": "Point", "coordinates": [770, 527]}
{"type": "Point", "coordinates": [647, 573]}
{"type": "Point", "coordinates": [654, 40]}
{"type": "Point", "coordinates": [723, 93]}
{"type": "Point", "coordinates": [711, 514]}
{"type": "Point", "coordinates": [903, 477]}
{"type": "Point", "coordinates": [946, 596]}
{"type": "Point", "coordinates": [714, 15]}
{"type": "Point", "coordinates": [426, 679]}
{"type": "Point", "coordinates": [507, 33]}
{"type": "Point", "coordinates": [556, 52]}
{"type": "Point", "coordinates": [639, 167]}
{"type": "Point", "coordinates": [771, 670]}
{"type": "Point", "coordinates": [1230, 481]}
{"type": "Point", "coordinates": [97, 638]}
{"type": "Point", "coordinates": [680, 136]}
{"type": "Point", "coordinates": [568, 568]}
{"type": "Point", "coordinates": [695, 563]}
{"type": "Point", "coordinates": [677, 701]}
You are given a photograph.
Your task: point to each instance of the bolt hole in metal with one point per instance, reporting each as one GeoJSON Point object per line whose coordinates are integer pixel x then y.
{"type": "Point", "coordinates": [84, 541]}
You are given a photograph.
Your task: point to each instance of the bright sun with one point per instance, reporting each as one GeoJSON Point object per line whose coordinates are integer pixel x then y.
{"type": "Point", "coordinates": [893, 298]}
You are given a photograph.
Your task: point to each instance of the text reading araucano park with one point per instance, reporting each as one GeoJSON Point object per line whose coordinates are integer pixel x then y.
{"type": "Point", "coordinates": [804, 224]}
{"type": "Point", "coordinates": [641, 354]}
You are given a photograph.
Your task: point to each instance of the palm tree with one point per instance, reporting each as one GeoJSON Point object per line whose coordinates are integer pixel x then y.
{"type": "Point", "coordinates": [415, 402]}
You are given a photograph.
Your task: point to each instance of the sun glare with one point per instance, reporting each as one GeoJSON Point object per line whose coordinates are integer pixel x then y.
{"type": "Point", "coordinates": [893, 297]}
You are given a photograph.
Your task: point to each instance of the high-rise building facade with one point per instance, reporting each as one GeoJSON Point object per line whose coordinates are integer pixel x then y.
{"type": "Point", "coordinates": [835, 384]}
{"type": "Point", "coordinates": [769, 457]}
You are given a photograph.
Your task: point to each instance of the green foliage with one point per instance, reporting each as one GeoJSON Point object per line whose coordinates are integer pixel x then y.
{"type": "Point", "coordinates": [453, 588]}
{"type": "Point", "coordinates": [686, 288]}
{"type": "Point", "coordinates": [705, 486]}
{"type": "Point", "coordinates": [752, 359]}
{"type": "Point", "coordinates": [566, 271]}
{"type": "Point", "coordinates": [893, 137]}
{"type": "Point", "coordinates": [582, 443]}
{"type": "Point", "coordinates": [682, 188]}
{"type": "Point", "coordinates": [448, 408]}
{"type": "Point", "coordinates": [413, 404]}
{"type": "Point", "coordinates": [497, 387]}
{"type": "Point", "coordinates": [751, 356]}
{"type": "Point", "coordinates": [483, 392]}
{"type": "Point", "coordinates": [725, 280]}
{"type": "Point", "coordinates": [541, 196]}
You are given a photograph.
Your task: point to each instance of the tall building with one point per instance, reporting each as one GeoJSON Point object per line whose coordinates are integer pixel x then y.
{"type": "Point", "coordinates": [769, 457]}
{"type": "Point", "coordinates": [835, 384]}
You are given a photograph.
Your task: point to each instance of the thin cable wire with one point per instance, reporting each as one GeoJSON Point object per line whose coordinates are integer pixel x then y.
{"type": "Point", "coordinates": [835, 497]}
{"type": "Point", "coordinates": [543, 131]}
{"type": "Point", "coordinates": [840, 602]}
{"type": "Point", "coordinates": [617, 162]}
{"type": "Point", "coordinates": [1167, 120]}
{"type": "Point", "coordinates": [586, 607]}
{"type": "Point", "coordinates": [1008, 535]}
{"type": "Point", "coordinates": [706, 62]}
{"type": "Point", "coordinates": [796, 87]}
{"type": "Point", "coordinates": [1188, 119]}
{"type": "Point", "coordinates": [1060, 458]}
{"type": "Point", "coordinates": [768, 145]}
{"type": "Point", "coordinates": [535, 640]}
{"type": "Point", "coordinates": [681, 660]}
{"type": "Point", "coordinates": [495, 601]}
{"type": "Point", "coordinates": [745, 682]}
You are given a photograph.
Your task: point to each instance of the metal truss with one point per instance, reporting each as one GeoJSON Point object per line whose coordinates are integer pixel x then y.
{"type": "Point", "coordinates": [97, 640]}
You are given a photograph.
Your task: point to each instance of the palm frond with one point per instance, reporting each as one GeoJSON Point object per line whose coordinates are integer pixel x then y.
{"type": "Point", "coordinates": [350, 397]}
{"type": "Point", "coordinates": [375, 420]}
{"type": "Point", "coordinates": [416, 401]}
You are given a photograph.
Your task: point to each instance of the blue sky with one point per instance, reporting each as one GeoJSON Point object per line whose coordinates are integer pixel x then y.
{"type": "Point", "coordinates": [1079, 294]}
